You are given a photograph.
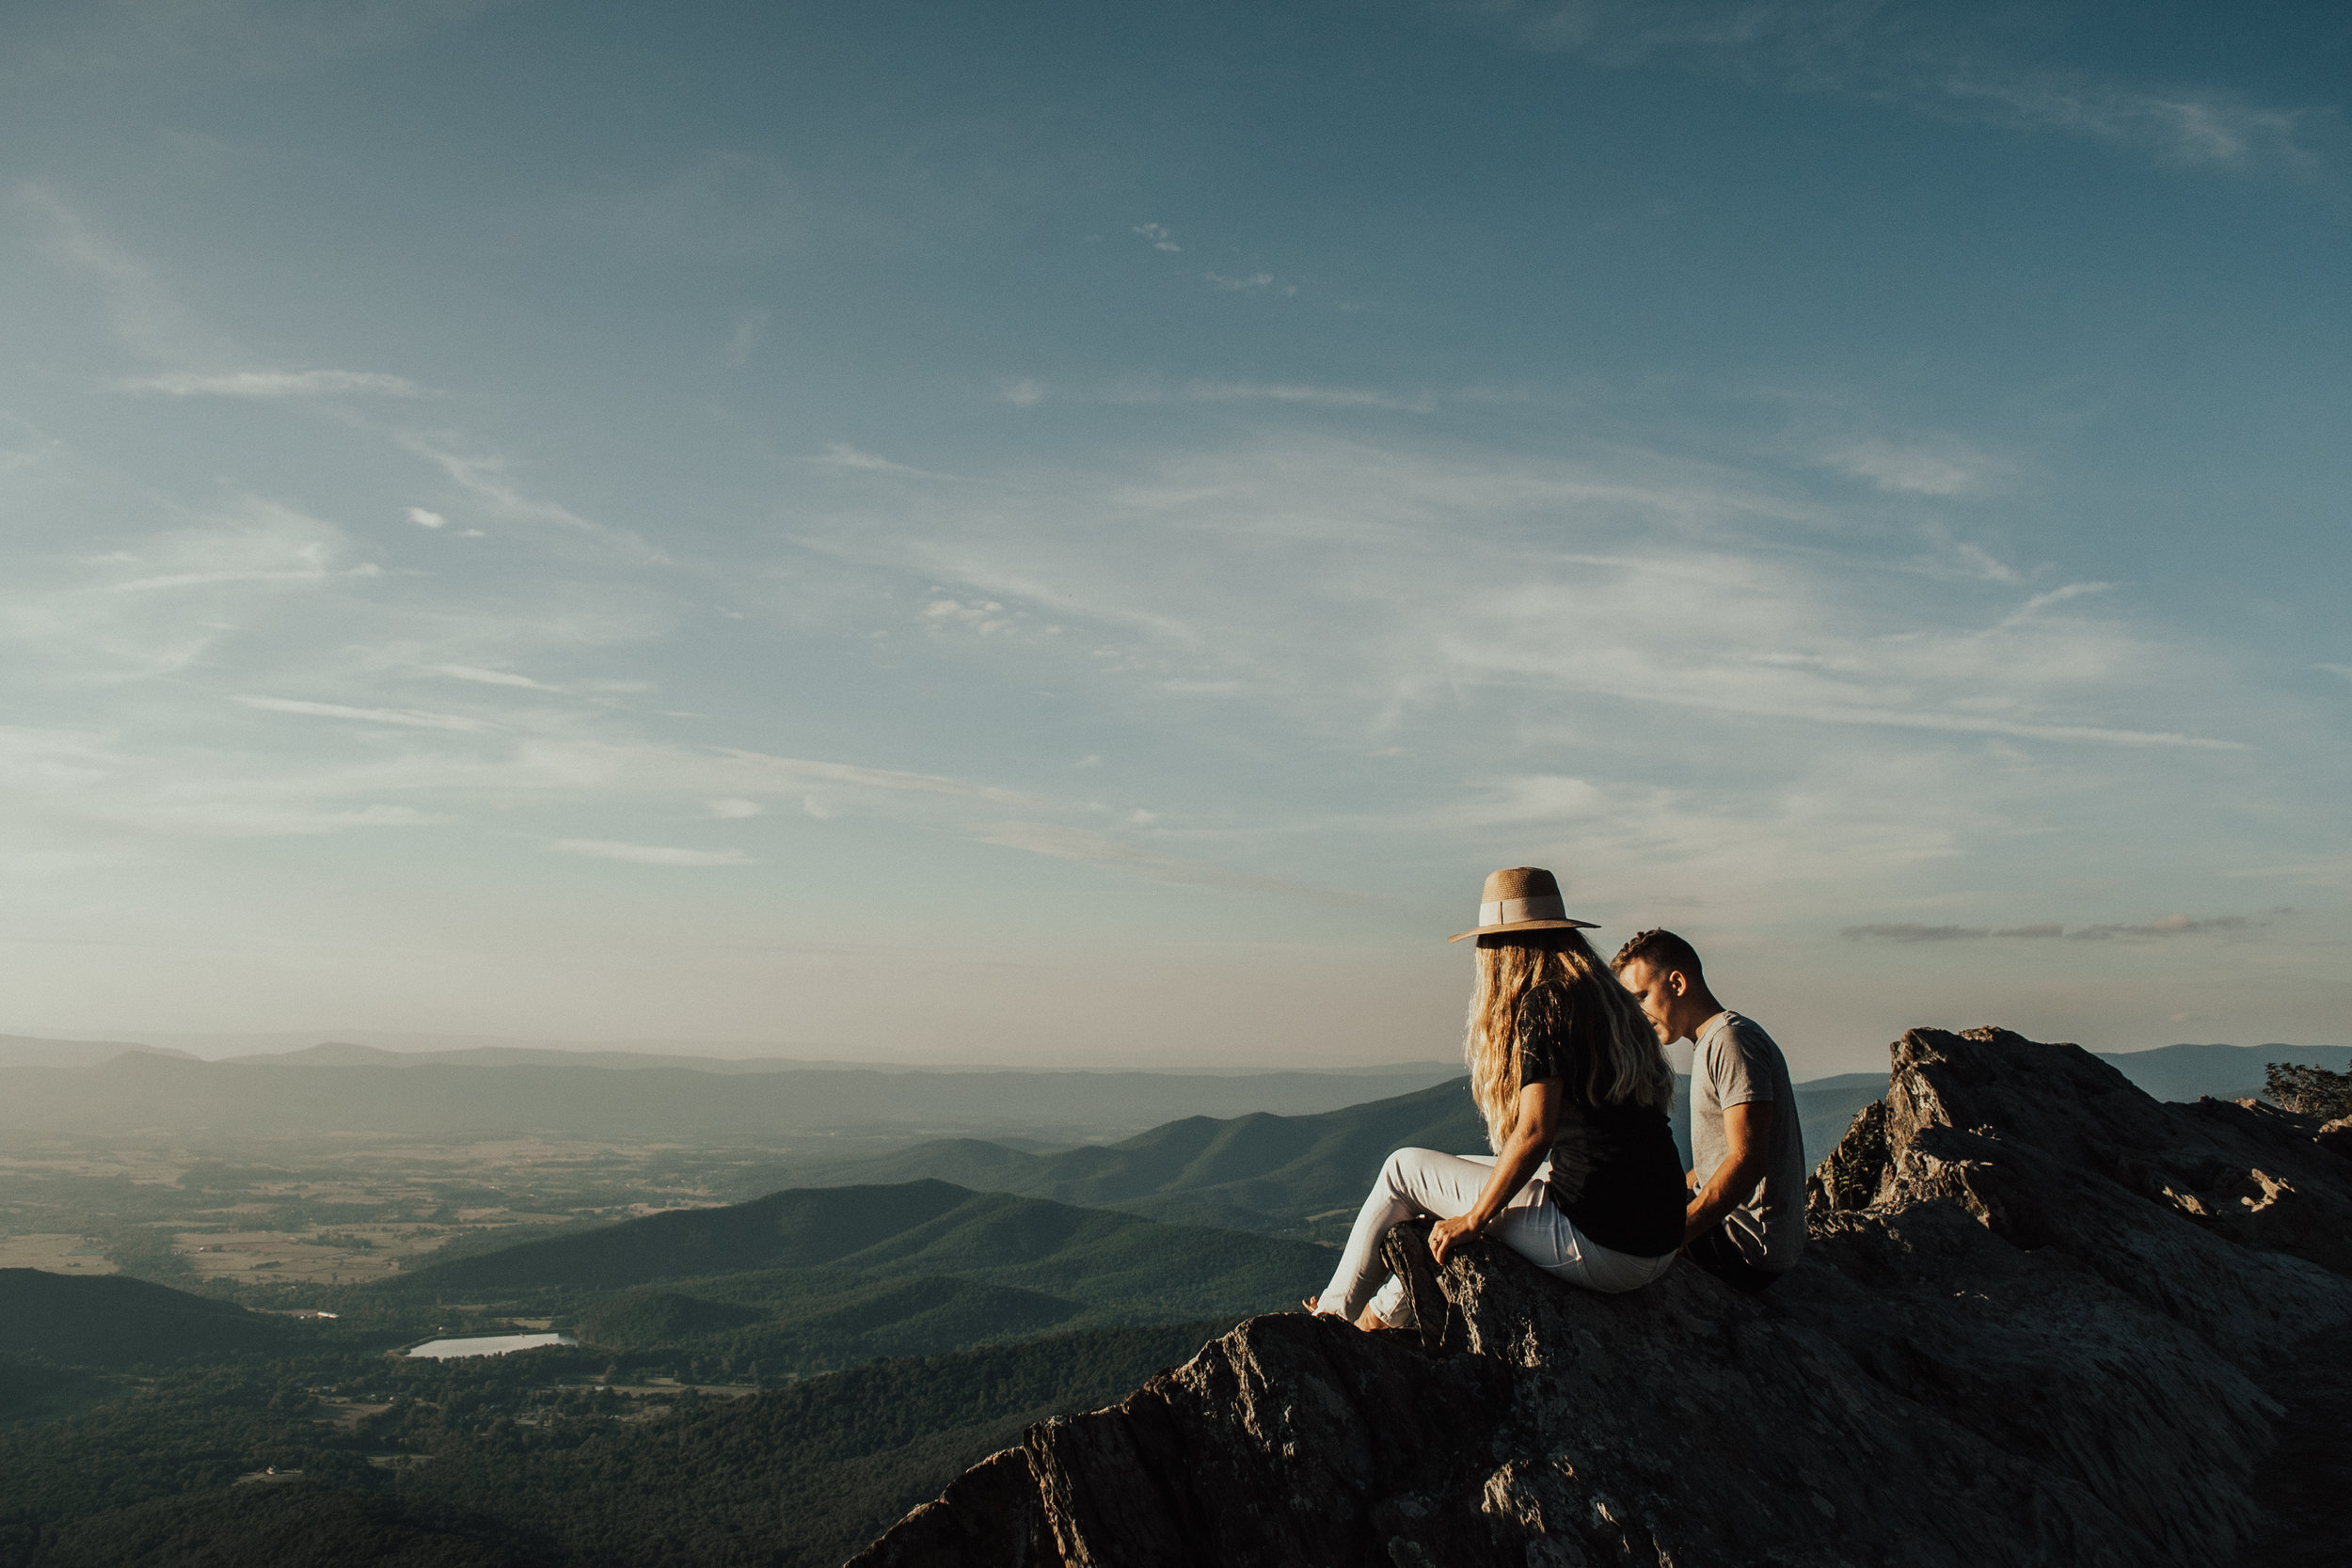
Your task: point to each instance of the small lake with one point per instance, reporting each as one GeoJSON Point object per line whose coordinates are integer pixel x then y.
{"type": "Point", "coordinates": [488, 1344]}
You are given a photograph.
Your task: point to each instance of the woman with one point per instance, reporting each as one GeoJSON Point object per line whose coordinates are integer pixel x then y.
{"type": "Point", "coordinates": [1585, 1181]}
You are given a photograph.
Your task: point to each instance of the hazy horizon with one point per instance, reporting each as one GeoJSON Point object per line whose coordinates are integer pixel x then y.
{"type": "Point", "coordinates": [1068, 536]}
{"type": "Point", "coordinates": [218, 1048]}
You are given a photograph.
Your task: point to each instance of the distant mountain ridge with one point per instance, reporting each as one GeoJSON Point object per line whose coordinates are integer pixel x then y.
{"type": "Point", "coordinates": [148, 1092]}
{"type": "Point", "coordinates": [338, 1054]}
{"type": "Point", "coordinates": [29, 1051]}
{"type": "Point", "coordinates": [1306, 1174]}
{"type": "Point", "coordinates": [1264, 1172]}
{"type": "Point", "coordinates": [2223, 1071]}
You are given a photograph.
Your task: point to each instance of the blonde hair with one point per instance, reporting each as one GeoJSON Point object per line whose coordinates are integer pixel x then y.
{"type": "Point", "coordinates": [1628, 1066]}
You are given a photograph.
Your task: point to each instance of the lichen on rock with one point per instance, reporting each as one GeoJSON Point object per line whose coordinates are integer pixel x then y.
{"type": "Point", "coordinates": [2040, 1319]}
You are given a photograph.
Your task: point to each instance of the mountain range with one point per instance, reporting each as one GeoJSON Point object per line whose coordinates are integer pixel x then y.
{"type": "Point", "coordinates": [351, 1089]}
{"type": "Point", "coordinates": [1306, 1174]}
{"type": "Point", "coordinates": [1266, 1173]}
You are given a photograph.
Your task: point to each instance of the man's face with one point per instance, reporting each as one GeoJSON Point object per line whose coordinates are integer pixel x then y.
{"type": "Point", "coordinates": [1656, 991]}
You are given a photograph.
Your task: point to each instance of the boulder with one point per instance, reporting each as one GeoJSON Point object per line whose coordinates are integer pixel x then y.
{"type": "Point", "coordinates": [2040, 1319]}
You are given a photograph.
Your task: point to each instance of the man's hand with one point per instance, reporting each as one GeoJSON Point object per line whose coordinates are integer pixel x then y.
{"type": "Point", "coordinates": [1747, 1132]}
{"type": "Point", "coordinates": [1446, 1235]}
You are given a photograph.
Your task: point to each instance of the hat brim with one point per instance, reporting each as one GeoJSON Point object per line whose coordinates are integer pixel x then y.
{"type": "Point", "coordinates": [1526, 926]}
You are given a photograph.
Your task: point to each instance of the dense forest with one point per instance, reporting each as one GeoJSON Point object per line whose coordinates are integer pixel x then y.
{"type": "Point", "coordinates": [528, 1458]}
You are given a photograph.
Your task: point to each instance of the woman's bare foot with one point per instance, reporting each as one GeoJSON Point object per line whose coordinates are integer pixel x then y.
{"type": "Point", "coordinates": [1367, 1319]}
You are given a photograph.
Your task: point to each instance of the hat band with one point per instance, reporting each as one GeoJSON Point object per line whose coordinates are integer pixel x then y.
{"type": "Point", "coordinates": [1506, 912]}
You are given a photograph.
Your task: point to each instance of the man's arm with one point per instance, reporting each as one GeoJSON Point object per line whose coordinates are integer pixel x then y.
{"type": "Point", "coordinates": [1747, 1134]}
{"type": "Point", "coordinates": [1521, 1152]}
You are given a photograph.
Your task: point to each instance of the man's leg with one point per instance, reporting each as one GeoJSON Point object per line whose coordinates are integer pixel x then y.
{"type": "Point", "coordinates": [1719, 1255]}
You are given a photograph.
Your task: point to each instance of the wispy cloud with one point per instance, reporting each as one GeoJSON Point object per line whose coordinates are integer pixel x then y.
{"type": "Point", "coordinates": [1100, 848]}
{"type": "Point", "coordinates": [1951, 64]}
{"type": "Point", "coordinates": [2042, 601]}
{"type": "Point", "coordinates": [237, 37]}
{"type": "Point", "coordinates": [2318, 870]}
{"type": "Point", "coordinates": [840, 454]}
{"type": "Point", "coordinates": [1909, 932]}
{"type": "Point", "coordinates": [1600, 577]}
{"type": "Point", "coordinates": [1249, 283]}
{"type": "Point", "coordinates": [2183, 124]}
{"type": "Point", "coordinates": [1943, 468]}
{"type": "Point", "coordinates": [1161, 237]}
{"type": "Point", "coordinates": [263, 543]}
{"type": "Point", "coordinates": [141, 312]}
{"type": "Point", "coordinates": [490, 677]}
{"type": "Point", "coordinates": [1307, 393]}
{"type": "Point", "coordinates": [2175, 925]}
{"type": "Point", "coordinates": [273, 383]}
{"type": "Point", "coordinates": [793, 771]}
{"type": "Point", "coordinates": [751, 330]}
{"type": "Point", "coordinates": [2172, 926]}
{"type": "Point", "coordinates": [401, 717]}
{"type": "Point", "coordinates": [490, 478]}
{"type": "Point", "coordinates": [649, 854]}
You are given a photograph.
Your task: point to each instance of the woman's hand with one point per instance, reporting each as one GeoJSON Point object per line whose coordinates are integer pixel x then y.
{"type": "Point", "coordinates": [1522, 1152]}
{"type": "Point", "coordinates": [1446, 1235]}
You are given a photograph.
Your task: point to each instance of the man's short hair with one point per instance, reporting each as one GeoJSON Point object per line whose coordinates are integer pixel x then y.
{"type": "Point", "coordinates": [1662, 951]}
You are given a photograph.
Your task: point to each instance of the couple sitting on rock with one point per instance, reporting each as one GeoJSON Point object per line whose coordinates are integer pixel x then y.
{"type": "Point", "coordinates": [1567, 1064]}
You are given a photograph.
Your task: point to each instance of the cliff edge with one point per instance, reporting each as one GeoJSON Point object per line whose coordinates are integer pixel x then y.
{"type": "Point", "coordinates": [2042, 1319]}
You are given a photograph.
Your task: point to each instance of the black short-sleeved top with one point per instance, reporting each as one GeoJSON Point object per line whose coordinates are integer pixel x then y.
{"type": "Point", "coordinates": [1615, 1172]}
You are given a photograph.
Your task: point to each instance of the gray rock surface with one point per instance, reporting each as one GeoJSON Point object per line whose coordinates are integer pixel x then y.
{"type": "Point", "coordinates": [2043, 1320]}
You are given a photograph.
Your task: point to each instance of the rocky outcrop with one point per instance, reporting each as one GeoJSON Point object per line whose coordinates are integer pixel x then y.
{"type": "Point", "coordinates": [2042, 1318]}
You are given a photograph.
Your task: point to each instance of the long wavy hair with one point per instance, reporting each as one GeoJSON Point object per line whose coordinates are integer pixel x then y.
{"type": "Point", "coordinates": [1630, 1067]}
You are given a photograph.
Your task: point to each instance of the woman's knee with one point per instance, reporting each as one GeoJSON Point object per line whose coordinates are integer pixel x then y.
{"type": "Point", "coordinates": [1397, 1170]}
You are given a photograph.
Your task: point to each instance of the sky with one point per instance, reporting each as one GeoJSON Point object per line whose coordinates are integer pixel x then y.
{"type": "Point", "coordinates": [1077, 535]}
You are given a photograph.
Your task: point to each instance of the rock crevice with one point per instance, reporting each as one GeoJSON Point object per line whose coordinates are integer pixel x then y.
{"type": "Point", "coordinates": [2042, 1319]}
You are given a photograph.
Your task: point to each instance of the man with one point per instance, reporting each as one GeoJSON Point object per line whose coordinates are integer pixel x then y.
{"type": "Point", "coordinates": [1746, 1223]}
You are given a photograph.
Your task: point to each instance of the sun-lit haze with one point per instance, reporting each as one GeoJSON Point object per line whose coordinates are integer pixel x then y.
{"type": "Point", "coordinates": [1077, 534]}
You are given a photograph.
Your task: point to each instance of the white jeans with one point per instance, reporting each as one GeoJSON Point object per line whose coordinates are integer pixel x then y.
{"type": "Point", "coordinates": [1417, 1181]}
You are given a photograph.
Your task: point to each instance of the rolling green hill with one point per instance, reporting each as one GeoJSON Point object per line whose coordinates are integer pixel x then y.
{"type": "Point", "coordinates": [774, 1322]}
{"type": "Point", "coordinates": [1263, 1173]}
{"type": "Point", "coordinates": [806, 1279]}
{"type": "Point", "coordinates": [111, 1320]}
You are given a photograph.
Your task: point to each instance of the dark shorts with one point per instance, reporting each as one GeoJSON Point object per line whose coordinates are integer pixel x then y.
{"type": "Point", "coordinates": [1719, 1255]}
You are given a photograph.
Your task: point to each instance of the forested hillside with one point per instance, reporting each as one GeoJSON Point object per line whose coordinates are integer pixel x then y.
{"type": "Point", "coordinates": [807, 1280]}
{"type": "Point", "coordinates": [501, 1464]}
{"type": "Point", "coordinates": [110, 1321]}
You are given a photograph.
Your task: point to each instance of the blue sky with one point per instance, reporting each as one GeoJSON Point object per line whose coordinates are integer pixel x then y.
{"type": "Point", "coordinates": [1058, 534]}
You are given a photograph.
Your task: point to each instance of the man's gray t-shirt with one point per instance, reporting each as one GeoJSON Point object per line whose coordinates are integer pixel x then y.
{"type": "Point", "coordinates": [1738, 1064]}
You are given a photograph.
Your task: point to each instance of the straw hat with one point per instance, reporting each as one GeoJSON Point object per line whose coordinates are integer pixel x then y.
{"type": "Point", "coordinates": [1522, 898]}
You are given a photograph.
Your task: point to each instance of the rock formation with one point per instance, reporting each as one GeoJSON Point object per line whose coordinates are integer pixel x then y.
{"type": "Point", "coordinates": [2042, 1318]}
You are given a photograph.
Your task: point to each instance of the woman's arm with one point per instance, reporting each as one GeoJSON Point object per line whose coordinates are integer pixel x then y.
{"type": "Point", "coordinates": [1521, 1152]}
